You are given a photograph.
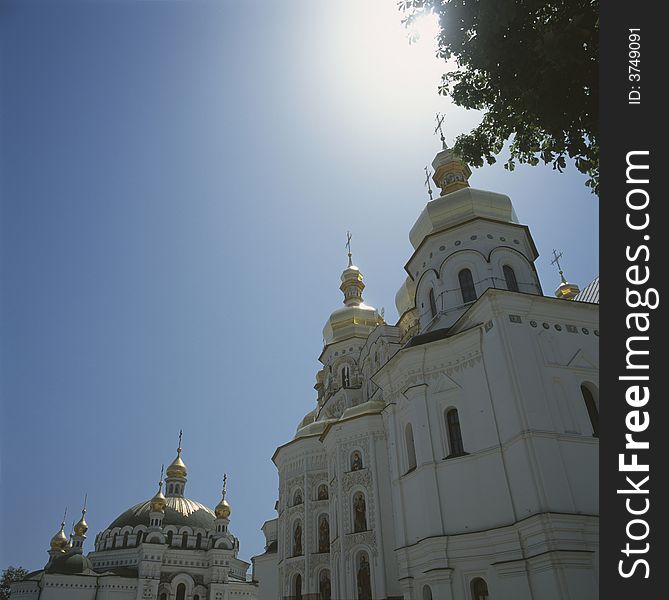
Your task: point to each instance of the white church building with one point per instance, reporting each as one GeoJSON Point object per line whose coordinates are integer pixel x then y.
{"type": "Point", "coordinates": [453, 455]}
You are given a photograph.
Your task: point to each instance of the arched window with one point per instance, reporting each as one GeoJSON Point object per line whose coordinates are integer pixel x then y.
{"type": "Point", "coordinates": [114, 541]}
{"type": "Point", "coordinates": [345, 376]}
{"type": "Point", "coordinates": [125, 539]}
{"type": "Point", "coordinates": [181, 591]}
{"type": "Point", "coordinates": [455, 445]}
{"type": "Point", "coordinates": [322, 493]}
{"type": "Point", "coordinates": [467, 286]}
{"type": "Point", "coordinates": [411, 448]}
{"type": "Point", "coordinates": [198, 543]}
{"type": "Point", "coordinates": [169, 538]}
{"type": "Point", "coordinates": [593, 412]}
{"type": "Point", "coordinates": [170, 489]}
{"type": "Point", "coordinates": [427, 592]}
{"type": "Point", "coordinates": [196, 597]}
{"type": "Point", "coordinates": [298, 587]}
{"type": "Point", "coordinates": [139, 538]}
{"type": "Point", "coordinates": [433, 303]}
{"type": "Point", "coordinates": [184, 540]}
{"type": "Point", "coordinates": [479, 589]}
{"type": "Point", "coordinates": [510, 278]}
{"type": "Point", "coordinates": [297, 497]}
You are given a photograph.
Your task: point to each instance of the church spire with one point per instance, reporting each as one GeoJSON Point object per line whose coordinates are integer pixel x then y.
{"type": "Point", "coordinates": [176, 473]}
{"type": "Point", "coordinates": [79, 530]}
{"type": "Point", "coordinates": [351, 279]}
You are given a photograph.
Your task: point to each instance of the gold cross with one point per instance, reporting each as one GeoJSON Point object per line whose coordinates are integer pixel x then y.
{"type": "Point", "coordinates": [440, 119]}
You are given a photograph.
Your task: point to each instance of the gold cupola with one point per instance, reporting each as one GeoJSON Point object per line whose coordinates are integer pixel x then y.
{"type": "Point", "coordinates": [355, 318]}
{"type": "Point", "coordinates": [177, 468]}
{"type": "Point", "coordinates": [566, 290]}
{"type": "Point", "coordinates": [223, 510]}
{"type": "Point", "coordinates": [158, 501]}
{"type": "Point", "coordinates": [59, 541]}
{"type": "Point", "coordinates": [81, 527]}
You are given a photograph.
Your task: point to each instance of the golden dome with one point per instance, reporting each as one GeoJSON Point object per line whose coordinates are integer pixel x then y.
{"type": "Point", "coordinates": [355, 319]}
{"type": "Point", "coordinates": [222, 510]}
{"type": "Point", "coordinates": [81, 527]}
{"type": "Point", "coordinates": [157, 503]}
{"type": "Point", "coordinates": [178, 467]}
{"type": "Point", "coordinates": [59, 541]}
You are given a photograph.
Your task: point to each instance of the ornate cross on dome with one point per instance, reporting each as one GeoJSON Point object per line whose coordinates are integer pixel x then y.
{"type": "Point", "coordinates": [427, 181]}
{"type": "Point", "coordinates": [440, 119]}
{"type": "Point", "coordinates": [181, 432]}
{"type": "Point", "coordinates": [348, 246]}
{"type": "Point", "coordinates": [556, 262]}
{"type": "Point", "coordinates": [225, 484]}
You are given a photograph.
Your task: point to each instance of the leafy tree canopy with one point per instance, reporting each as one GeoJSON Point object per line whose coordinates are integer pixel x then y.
{"type": "Point", "coordinates": [9, 576]}
{"type": "Point", "coordinates": [532, 67]}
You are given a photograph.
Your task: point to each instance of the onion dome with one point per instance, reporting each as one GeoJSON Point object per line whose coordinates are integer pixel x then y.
{"type": "Point", "coordinates": [178, 467]}
{"type": "Point", "coordinates": [59, 541]}
{"type": "Point", "coordinates": [223, 509]}
{"type": "Point", "coordinates": [405, 299]}
{"type": "Point", "coordinates": [158, 501]}
{"type": "Point", "coordinates": [355, 319]}
{"type": "Point", "coordinates": [81, 527]}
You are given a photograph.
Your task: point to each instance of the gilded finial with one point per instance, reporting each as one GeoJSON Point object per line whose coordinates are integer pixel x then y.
{"type": "Point", "coordinates": [181, 432]}
{"type": "Point", "coordinates": [348, 247]}
{"type": "Point", "coordinates": [440, 119]}
{"type": "Point", "coordinates": [566, 290]}
{"type": "Point", "coordinates": [222, 510]}
{"type": "Point", "coordinates": [427, 181]}
{"type": "Point", "coordinates": [556, 261]}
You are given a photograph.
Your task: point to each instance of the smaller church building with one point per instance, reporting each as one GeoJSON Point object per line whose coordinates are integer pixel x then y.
{"type": "Point", "coordinates": [169, 547]}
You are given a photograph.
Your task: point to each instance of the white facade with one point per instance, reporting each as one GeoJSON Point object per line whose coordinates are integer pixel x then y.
{"type": "Point", "coordinates": [454, 455]}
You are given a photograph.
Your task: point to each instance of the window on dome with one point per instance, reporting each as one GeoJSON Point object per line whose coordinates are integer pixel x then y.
{"type": "Point", "coordinates": [139, 538]}
{"type": "Point", "coordinates": [411, 447]}
{"type": "Point", "coordinates": [433, 303]}
{"type": "Point", "coordinates": [455, 445]}
{"type": "Point", "coordinates": [593, 411]}
{"type": "Point", "coordinates": [467, 286]}
{"type": "Point", "coordinates": [510, 278]}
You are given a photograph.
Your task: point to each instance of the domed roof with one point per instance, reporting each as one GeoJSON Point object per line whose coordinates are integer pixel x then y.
{"type": "Point", "coordinates": [72, 564]}
{"type": "Point", "coordinates": [178, 467]}
{"type": "Point", "coordinates": [351, 321]}
{"type": "Point", "coordinates": [405, 299]}
{"type": "Point", "coordinates": [460, 206]}
{"type": "Point", "coordinates": [178, 511]}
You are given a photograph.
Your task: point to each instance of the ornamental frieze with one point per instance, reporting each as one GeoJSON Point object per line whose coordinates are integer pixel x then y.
{"type": "Point", "coordinates": [362, 477]}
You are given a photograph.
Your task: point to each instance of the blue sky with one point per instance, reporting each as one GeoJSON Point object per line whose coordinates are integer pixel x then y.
{"type": "Point", "coordinates": [177, 182]}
